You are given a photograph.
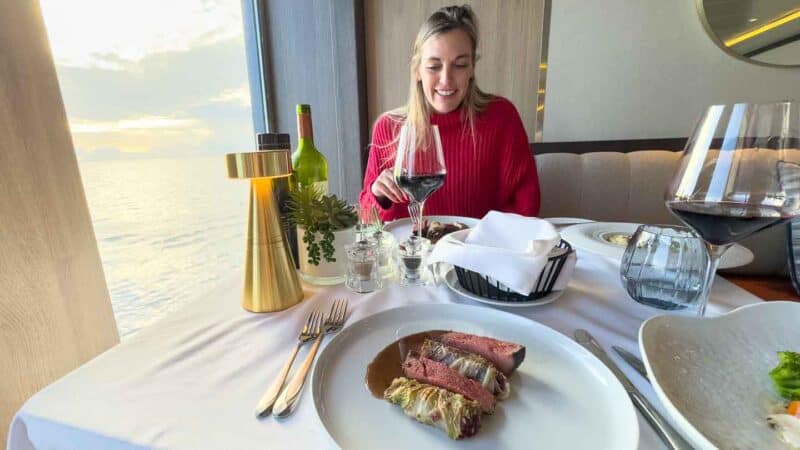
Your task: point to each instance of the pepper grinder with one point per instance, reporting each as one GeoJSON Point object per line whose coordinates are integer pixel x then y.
{"type": "Point", "coordinates": [270, 279]}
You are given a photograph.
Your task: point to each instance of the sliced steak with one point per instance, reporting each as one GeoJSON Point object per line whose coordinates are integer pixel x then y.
{"type": "Point", "coordinates": [470, 365]}
{"type": "Point", "coordinates": [438, 374]}
{"type": "Point", "coordinates": [507, 356]}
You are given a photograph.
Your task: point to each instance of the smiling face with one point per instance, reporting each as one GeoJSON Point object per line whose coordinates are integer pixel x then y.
{"type": "Point", "coordinates": [445, 69]}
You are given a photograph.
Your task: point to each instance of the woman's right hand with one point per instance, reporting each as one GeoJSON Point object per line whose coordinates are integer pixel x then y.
{"type": "Point", "coordinates": [385, 186]}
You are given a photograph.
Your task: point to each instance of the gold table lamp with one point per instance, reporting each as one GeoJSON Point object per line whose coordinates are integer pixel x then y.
{"type": "Point", "coordinates": [270, 279]}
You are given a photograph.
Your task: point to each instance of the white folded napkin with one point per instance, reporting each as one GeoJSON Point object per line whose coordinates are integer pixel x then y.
{"type": "Point", "coordinates": [509, 248]}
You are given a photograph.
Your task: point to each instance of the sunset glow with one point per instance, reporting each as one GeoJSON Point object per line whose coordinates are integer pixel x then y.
{"type": "Point", "coordinates": [164, 79]}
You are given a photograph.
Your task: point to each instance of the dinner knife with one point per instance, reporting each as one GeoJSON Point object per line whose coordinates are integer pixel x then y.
{"type": "Point", "coordinates": [632, 361]}
{"type": "Point", "coordinates": [664, 430]}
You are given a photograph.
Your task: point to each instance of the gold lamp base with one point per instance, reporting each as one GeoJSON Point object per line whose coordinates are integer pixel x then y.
{"type": "Point", "coordinates": [270, 279]}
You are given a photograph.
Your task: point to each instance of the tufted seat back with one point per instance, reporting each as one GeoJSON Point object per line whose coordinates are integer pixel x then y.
{"type": "Point", "coordinates": [629, 187]}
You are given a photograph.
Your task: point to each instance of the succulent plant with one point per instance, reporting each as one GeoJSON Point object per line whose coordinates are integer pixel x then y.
{"type": "Point", "coordinates": [321, 215]}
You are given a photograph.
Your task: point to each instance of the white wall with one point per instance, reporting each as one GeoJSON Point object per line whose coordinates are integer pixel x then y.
{"type": "Point", "coordinates": [628, 69]}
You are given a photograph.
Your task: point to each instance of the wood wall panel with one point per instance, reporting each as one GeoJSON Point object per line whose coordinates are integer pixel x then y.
{"type": "Point", "coordinates": [509, 51]}
{"type": "Point", "coordinates": [55, 312]}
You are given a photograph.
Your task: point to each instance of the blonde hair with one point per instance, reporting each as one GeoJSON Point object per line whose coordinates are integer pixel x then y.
{"type": "Point", "coordinates": [416, 113]}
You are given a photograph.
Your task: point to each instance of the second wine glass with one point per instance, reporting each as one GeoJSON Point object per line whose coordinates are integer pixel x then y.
{"type": "Point", "coordinates": [419, 168]}
{"type": "Point", "coordinates": [739, 174]}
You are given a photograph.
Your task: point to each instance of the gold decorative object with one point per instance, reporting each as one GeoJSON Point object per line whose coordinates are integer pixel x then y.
{"type": "Point", "coordinates": [270, 279]}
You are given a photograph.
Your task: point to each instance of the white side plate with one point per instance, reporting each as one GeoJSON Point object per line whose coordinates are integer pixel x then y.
{"type": "Point", "coordinates": [451, 279]}
{"type": "Point", "coordinates": [592, 237]}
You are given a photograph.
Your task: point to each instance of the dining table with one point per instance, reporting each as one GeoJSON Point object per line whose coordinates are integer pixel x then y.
{"type": "Point", "coordinates": [192, 379]}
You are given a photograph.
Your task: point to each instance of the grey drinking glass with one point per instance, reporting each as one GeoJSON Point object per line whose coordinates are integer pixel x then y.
{"type": "Point", "coordinates": [665, 267]}
{"type": "Point", "coordinates": [739, 174]}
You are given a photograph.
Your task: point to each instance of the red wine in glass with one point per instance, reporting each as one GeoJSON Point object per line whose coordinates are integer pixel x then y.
{"type": "Point", "coordinates": [420, 187]}
{"type": "Point", "coordinates": [724, 223]}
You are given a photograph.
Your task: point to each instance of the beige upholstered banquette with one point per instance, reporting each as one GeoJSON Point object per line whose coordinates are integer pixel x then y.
{"type": "Point", "coordinates": [629, 187]}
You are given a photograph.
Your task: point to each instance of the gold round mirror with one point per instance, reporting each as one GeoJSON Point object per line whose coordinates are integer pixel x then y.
{"type": "Point", "coordinates": [764, 32]}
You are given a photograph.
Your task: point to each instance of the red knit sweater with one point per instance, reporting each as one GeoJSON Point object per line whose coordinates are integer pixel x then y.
{"type": "Point", "coordinates": [496, 171]}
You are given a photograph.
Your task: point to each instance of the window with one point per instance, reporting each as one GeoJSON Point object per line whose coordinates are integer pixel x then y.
{"type": "Point", "coordinates": [156, 93]}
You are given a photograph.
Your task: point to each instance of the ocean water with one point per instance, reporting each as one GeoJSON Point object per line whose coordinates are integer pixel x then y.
{"type": "Point", "coordinates": [168, 230]}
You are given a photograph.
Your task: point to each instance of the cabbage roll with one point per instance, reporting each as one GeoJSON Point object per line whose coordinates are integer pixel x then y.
{"type": "Point", "coordinates": [453, 413]}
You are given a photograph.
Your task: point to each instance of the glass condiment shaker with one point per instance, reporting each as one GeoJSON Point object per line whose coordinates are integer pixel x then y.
{"type": "Point", "coordinates": [362, 267]}
{"type": "Point", "coordinates": [412, 255]}
{"type": "Point", "coordinates": [384, 243]}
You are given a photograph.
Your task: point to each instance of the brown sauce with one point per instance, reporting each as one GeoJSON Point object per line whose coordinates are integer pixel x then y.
{"type": "Point", "coordinates": [388, 364]}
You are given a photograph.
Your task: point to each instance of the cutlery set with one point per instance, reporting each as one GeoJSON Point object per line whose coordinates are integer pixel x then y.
{"type": "Point", "coordinates": [282, 403]}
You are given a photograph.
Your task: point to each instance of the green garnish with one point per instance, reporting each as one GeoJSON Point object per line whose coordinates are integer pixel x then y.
{"type": "Point", "coordinates": [786, 375]}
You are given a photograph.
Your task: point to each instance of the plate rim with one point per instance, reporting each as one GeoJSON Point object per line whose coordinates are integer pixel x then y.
{"type": "Point", "coordinates": [614, 383]}
{"type": "Point", "coordinates": [566, 221]}
{"type": "Point", "coordinates": [546, 300]}
{"type": "Point", "coordinates": [687, 428]}
{"type": "Point", "coordinates": [407, 220]}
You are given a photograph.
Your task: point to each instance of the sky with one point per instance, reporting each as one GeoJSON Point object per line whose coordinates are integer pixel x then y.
{"type": "Point", "coordinates": [151, 78]}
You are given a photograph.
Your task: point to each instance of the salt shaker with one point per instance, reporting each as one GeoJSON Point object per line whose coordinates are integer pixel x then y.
{"type": "Point", "coordinates": [362, 267]}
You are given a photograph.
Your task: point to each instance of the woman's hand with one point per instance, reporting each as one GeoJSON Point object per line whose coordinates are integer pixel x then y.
{"type": "Point", "coordinates": [384, 186]}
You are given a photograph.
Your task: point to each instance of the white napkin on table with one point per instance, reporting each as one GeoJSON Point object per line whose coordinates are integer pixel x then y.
{"type": "Point", "coordinates": [509, 248]}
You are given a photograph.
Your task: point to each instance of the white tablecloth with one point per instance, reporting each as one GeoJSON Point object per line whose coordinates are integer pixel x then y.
{"type": "Point", "coordinates": [191, 381]}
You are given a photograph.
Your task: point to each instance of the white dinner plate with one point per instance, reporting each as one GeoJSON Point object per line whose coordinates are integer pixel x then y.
{"type": "Point", "coordinates": [451, 279]}
{"type": "Point", "coordinates": [562, 397]}
{"type": "Point", "coordinates": [598, 237]}
{"type": "Point", "coordinates": [401, 228]}
{"type": "Point", "coordinates": [712, 374]}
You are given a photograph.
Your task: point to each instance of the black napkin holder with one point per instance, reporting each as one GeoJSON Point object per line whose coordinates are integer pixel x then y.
{"type": "Point", "coordinates": [486, 287]}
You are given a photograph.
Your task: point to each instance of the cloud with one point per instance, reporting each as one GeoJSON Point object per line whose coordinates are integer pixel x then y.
{"type": "Point", "coordinates": [140, 135]}
{"type": "Point", "coordinates": [115, 35]}
{"type": "Point", "coordinates": [240, 95]}
{"type": "Point", "coordinates": [175, 104]}
{"type": "Point", "coordinates": [164, 84]}
{"type": "Point", "coordinates": [169, 99]}
{"type": "Point", "coordinates": [140, 123]}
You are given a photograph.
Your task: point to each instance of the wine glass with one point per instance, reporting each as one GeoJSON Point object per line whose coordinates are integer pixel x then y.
{"type": "Point", "coordinates": [419, 169]}
{"type": "Point", "coordinates": [738, 175]}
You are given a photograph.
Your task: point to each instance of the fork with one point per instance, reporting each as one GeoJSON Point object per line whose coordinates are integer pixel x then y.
{"type": "Point", "coordinates": [375, 218]}
{"type": "Point", "coordinates": [287, 399]}
{"type": "Point", "coordinates": [310, 330]}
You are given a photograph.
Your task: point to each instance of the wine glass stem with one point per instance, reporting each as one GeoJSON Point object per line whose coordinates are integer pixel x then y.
{"type": "Point", "coordinates": [714, 254]}
{"type": "Point", "coordinates": [420, 206]}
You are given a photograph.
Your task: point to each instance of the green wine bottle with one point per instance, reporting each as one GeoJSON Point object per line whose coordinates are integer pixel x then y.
{"type": "Point", "coordinates": [309, 164]}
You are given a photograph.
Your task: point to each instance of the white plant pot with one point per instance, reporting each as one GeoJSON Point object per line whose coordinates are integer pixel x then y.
{"type": "Point", "coordinates": [325, 272]}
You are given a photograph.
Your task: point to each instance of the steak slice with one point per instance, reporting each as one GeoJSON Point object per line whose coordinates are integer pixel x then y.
{"type": "Point", "coordinates": [438, 374]}
{"type": "Point", "coordinates": [507, 356]}
{"type": "Point", "coordinates": [472, 366]}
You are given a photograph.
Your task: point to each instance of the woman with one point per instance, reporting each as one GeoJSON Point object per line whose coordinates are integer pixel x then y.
{"type": "Point", "coordinates": [489, 164]}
